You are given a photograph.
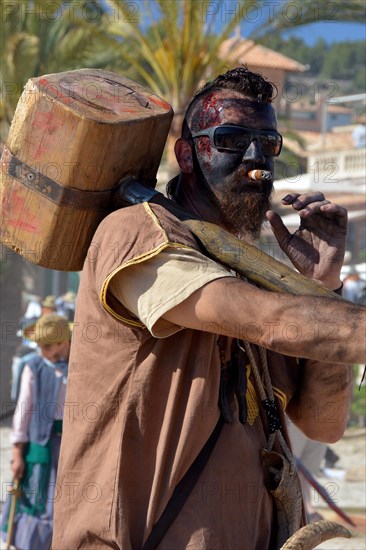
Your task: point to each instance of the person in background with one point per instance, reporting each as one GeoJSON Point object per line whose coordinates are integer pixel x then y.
{"type": "Point", "coordinates": [311, 454]}
{"type": "Point", "coordinates": [66, 305]}
{"type": "Point", "coordinates": [354, 287]}
{"type": "Point", "coordinates": [36, 433]}
{"type": "Point", "coordinates": [359, 136]}
{"type": "Point", "coordinates": [49, 305]}
{"type": "Point", "coordinates": [28, 348]}
{"type": "Point", "coordinates": [33, 310]}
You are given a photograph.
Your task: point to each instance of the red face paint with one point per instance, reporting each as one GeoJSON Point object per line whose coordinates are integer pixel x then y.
{"type": "Point", "coordinates": [208, 115]}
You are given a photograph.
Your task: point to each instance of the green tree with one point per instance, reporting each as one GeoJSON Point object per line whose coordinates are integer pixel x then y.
{"type": "Point", "coordinates": [359, 81]}
{"type": "Point", "coordinates": [295, 47]}
{"type": "Point", "coordinates": [172, 46]}
{"type": "Point", "coordinates": [44, 37]}
{"type": "Point", "coordinates": [289, 14]}
{"type": "Point", "coordinates": [344, 60]}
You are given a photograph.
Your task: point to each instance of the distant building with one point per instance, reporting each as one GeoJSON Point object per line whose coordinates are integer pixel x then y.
{"type": "Point", "coordinates": [289, 101]}
{"type": "Point", "coordinates": [271, 64]}
{"type": "Point", "coordinates": [310, 117]}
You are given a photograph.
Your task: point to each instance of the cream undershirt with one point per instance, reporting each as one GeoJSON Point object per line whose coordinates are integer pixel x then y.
{"type": "Point", "coordinates": [151, 288]}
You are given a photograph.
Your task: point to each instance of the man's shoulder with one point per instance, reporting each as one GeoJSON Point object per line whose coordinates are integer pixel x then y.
{"type": "Point", "coordinates": [145, 220]}
{"type": "Point", "coordinates": [125, 214]}
{"type": "Point", "coordinates": [141, 211]}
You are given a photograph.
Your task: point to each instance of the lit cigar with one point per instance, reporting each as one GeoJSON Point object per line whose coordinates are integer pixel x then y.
{"type": "Point", "coordinates": [260, 175]}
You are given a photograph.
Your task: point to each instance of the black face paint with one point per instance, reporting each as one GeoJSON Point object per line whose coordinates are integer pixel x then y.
{"type": "Point", "coordinates": [222, 175]}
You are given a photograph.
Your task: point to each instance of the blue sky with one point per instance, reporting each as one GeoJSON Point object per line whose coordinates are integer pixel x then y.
{"type": "Point", "coordinates": [330, 32]}
{"type": "Point", "coordinates": [221, 12]}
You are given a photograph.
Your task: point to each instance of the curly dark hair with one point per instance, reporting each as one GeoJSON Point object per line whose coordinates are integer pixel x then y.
{"type": "Point", "coordinates": [240, 79]}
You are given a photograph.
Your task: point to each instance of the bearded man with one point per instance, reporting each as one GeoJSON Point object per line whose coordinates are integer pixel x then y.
{"type": "Point", "coordinates": [180, 371]}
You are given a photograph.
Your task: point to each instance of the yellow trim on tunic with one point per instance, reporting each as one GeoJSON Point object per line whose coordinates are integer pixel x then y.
{"type": "Point", "coordinates": [155, 219]}
{"type": "Point", "coordinates": [138, 259]}
{"type": "Point", "coordinates": [252, 398]}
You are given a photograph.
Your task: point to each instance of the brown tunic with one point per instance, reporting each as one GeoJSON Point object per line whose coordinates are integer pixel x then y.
{"type": "Point", "coordinates": [139, 409]}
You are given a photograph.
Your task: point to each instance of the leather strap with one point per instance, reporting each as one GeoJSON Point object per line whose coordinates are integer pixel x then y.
{"type": "Point", "coordinates": [182, 490]}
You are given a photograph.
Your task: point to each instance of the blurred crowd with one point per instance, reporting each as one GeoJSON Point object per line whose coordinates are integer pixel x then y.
{"type": "Point", "coordinates": [39, 379]}
{"type": "Point", "coordinates": [354, 286]}
{"type": "Point", "coordinates": [36, 306]}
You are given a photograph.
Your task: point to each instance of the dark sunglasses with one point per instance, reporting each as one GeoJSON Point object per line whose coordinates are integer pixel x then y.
{"type": "Point", "coordinates": [238, 139]}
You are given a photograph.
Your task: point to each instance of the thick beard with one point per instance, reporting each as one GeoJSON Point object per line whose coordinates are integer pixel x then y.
{"type": "Point", "coordinates": [244, 212]}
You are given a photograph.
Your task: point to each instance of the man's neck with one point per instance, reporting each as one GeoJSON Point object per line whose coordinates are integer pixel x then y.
{"type": "Point", "coordinates": [201, 207]}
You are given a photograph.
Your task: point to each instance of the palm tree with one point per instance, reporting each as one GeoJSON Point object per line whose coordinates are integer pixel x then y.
{"type": "Point", "coordinates": [173, 46]}
{"type": "Point", "coordinates": [40, 38]}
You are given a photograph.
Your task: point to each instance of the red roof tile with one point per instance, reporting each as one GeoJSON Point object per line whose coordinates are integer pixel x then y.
{"type": "Point", "coordinates": [240, 50]}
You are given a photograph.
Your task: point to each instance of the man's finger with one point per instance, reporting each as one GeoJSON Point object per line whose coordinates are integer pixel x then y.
{"type": "Point", "coordinates": [278, 227]}
{"type": "Point", "coordinates": [299, 201]}
{"type": "Point", "coordinates": [311, 208]}
{"type": "Point", "coordinates": [325, 209]}
{"type": "Point", "coordinates": [332, 210]}
{"type": "Point", "coordinates": [290, 198]}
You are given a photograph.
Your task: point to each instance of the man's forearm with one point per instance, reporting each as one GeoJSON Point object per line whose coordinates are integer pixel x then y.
{"type": "Point", "coordinates": [320, 407]}
{"type": "Point", "coordinates": [321, 329]}
{"type": "Point", "coordinates": [315, 328]}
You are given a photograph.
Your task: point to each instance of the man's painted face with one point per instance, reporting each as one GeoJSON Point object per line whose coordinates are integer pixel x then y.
{"type": "Point", "coordinates": [224, 174]}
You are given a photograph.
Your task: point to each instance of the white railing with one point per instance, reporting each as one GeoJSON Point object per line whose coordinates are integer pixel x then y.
{"type": "Point", "coordinates": [333, 166]}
